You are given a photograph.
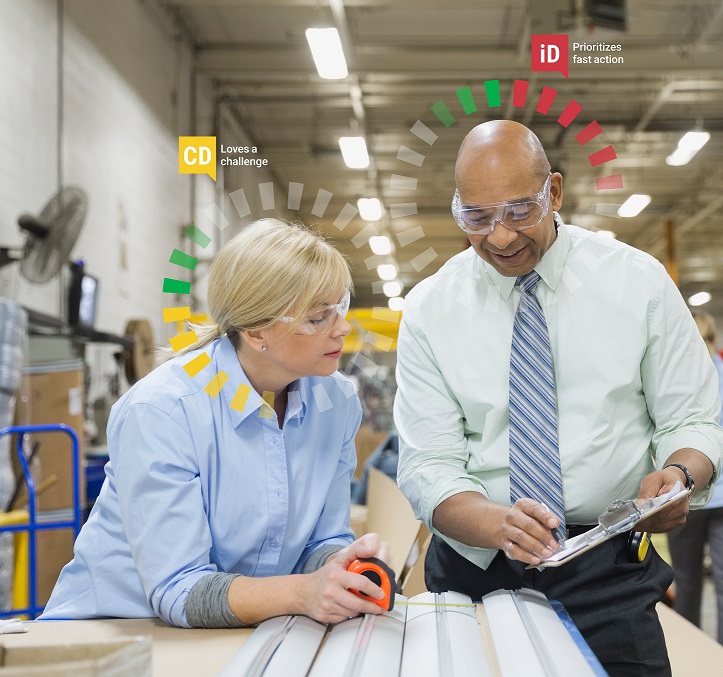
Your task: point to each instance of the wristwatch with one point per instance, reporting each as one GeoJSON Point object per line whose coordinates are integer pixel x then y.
{"type": "Point", "coordinates": [689, 482]}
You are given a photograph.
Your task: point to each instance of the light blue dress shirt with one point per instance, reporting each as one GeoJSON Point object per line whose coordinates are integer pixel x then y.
{"type": "Point", "coordinates": [634, 381]}
{"type": "Point", "coordinates": [195, 487]}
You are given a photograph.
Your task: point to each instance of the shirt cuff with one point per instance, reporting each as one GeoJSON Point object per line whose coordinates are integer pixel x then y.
{"type": "Point", "coordinates": [317, 559]}
{"type": "Point", "coordinates": [207, 603]}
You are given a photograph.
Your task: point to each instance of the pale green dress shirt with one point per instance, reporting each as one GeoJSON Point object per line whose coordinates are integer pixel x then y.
{"type": "Point", "coordinates": [634, 381]}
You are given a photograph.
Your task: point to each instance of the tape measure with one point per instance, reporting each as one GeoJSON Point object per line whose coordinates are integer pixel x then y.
{"type": "Point", "coordinates": [380, 574]}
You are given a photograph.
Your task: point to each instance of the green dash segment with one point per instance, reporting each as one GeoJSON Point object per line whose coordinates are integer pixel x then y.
{"type": "Point", "coordinates": [492, 88]}
{"type": "Point", "coordinates": [182, 259]}
{"type": "Point", "coordinates": [197, 235]}
{"type": "Point", "coordinates": [467, 100]}
{"type": "Point", "coordinates": [171, 286]}
{"type": "Point", "coordinates": [443, 113]}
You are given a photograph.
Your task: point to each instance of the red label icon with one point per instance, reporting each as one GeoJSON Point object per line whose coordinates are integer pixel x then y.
{"type": "Point", "coordinates": [550, 53]}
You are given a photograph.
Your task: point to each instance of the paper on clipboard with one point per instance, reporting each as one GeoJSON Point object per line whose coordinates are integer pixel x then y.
{"type": "Point", "coordinates": [607, 529]}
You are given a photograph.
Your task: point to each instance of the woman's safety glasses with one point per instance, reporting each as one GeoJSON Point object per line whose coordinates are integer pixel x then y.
{"type": "Point", "coordinates": [481, 219]}
{"type": "Point", "coordinates": [322, 320]}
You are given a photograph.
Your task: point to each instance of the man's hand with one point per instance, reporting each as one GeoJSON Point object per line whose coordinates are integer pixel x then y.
{"type": "Point", "coordinates": [326, 593]}
{"type": "Point", "coordinates": [671, 516]}
{"type": "Point", "coordinates": [525, 533]}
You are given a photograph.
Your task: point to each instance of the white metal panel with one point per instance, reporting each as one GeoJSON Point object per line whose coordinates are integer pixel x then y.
{"type": "Point", "coordinates": [370, 646]}
{"type": "Point", "coordinates": [280, 647]}
{"type": "Point", "coordinates": [443, 639]}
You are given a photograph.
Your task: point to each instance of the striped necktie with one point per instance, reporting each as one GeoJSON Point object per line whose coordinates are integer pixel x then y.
{"type": "Point", "coordinates": [534, 454]}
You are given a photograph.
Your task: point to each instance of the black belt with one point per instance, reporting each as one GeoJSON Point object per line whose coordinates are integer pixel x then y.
{"type": "Point", "coordinates": [577, 529]}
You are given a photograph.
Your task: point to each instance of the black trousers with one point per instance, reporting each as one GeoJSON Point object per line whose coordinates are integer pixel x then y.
{"type": "Point", "coordinates": [611, 601]}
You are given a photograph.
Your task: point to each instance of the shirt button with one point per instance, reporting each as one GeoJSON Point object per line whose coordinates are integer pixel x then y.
{"type": "Point", "coordinates": [273, 542]}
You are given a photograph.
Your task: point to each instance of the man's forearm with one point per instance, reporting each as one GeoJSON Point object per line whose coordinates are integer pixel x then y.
{"type": "Point", "coordinates": [470, 518]}
{"type": "Point", "coordinates": [697, 463]}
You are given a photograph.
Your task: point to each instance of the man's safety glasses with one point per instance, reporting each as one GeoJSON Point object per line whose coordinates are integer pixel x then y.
{"type": "Point", "coordinates": [322, 320]}
{"type": "Point", "coordinates": [481, 219]}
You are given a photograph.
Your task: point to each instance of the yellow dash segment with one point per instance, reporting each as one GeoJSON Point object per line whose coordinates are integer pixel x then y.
{"type": "Point", "coordinates": [238, 403]}
{"type": "Point", "coordinates": [216, 383]}
{"type": "Point", "coordinates": [176, 314]}
{"type": "Point", "coordinates": [183, 340]}
{"type": "Point", "coordinates": [267, 407]}
{"type": "Point", "coordinates": [197, 364]}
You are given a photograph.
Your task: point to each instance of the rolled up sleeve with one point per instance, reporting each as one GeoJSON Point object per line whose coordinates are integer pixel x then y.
{"type": "Point", "coordinates": [680, 384]}
{"type": "Point", "coordinates": [433, 453]}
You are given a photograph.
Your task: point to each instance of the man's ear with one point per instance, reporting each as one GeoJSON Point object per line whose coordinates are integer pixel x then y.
{"type": "Point", "coordinates": [556, 191]}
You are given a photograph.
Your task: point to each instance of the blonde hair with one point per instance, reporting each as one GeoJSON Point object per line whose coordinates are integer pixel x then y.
{"type": "Point", "coordinates": [707, 329]}
{"type": "Point", "coordinates": [271, 269]}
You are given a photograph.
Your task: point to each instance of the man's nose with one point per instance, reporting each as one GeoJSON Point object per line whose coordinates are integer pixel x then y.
{"type": "Point", "coordinates": [501, 237]}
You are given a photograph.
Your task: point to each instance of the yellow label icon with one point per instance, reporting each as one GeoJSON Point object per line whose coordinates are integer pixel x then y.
{"type": "Point", "coordinates": [197, 155]}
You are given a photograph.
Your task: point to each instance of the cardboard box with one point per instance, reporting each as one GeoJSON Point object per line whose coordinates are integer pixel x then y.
{"type": "Point", "coordinates": [53, 393]}
{"type": "Point", "coordinates": [100, 659]}
{"type": "Point", "coordinates": [366, 442]}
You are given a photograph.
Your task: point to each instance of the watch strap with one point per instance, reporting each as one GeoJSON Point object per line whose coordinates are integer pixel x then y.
{"type": "Point", "coordinates": [689, 482]}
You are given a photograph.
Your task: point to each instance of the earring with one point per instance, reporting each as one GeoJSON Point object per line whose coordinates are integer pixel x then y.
{"type": "Point", "coordinates": [263, 349]}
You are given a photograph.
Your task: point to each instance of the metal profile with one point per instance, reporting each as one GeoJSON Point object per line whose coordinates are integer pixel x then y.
{"type": "Point", "coordinates": [280, 647]}
{"type": "Point", "coordinates": [529, 637]}
{"type": "Point", "coordinates": [370, 646]}
{"type": "Point", "coordinates": [442, 637]}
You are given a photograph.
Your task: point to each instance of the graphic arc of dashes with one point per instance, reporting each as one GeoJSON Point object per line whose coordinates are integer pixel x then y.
{"type": "Point", "coordinates": [217, 218]}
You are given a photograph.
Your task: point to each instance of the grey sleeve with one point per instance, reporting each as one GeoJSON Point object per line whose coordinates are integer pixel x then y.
{"type": "Point", "coordinates": [207, 603]}
{"type": "Point", "coordinates": [318, 557]}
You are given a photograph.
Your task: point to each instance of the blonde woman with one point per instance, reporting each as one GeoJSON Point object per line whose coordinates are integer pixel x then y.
{"type": "Point", "coordinates": [225, 511]}
{"type": "Point", "coordinates": [703, 526]}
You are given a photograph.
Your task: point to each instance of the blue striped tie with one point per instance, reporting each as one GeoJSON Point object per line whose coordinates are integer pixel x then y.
{"type": "Point", "coordinates": [534, 454]}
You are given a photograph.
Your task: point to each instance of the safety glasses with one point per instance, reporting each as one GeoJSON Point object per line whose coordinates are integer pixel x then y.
{"type": "Point", "coordinates": [521, 215]}
{"type": "Point", "coordinates": [322, 320]}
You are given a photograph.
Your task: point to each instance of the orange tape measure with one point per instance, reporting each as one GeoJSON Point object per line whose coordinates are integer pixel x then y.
{"type": "Point", "coordinates": [380, 574]}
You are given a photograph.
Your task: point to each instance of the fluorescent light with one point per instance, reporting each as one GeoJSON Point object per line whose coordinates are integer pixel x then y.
{"type": "Point", "coordinates": [634, 205]}
{"type": "Point", "coordinates": [327, 53]}
{"type": "Point", "coordinates": [354, 151]}
{"type": "Point", "coordinates": [606, 233]}
{"type": "Point", "coordinates": [380, 244]}
{"type": "Point", "coordinates": [370, 209]}
{"type": "Point", "coordinates": [387, 271]}
{"type": "Point", "coordinates": [392, 289]}
{"type": "Point", "coordinates": [688, 146]}
{"type": "Point", "coordinates": [700, 298]}
{"type": "Point", "coordinates": [396, 303]}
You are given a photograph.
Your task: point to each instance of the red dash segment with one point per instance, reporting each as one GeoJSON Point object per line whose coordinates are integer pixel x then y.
{"type": "Point", "coordinates": [572, 110]}
{"type": "Point", "coordinates": [589, 133]}
{"type": "Point", "coordinates": [609, 182]}
{"type": "Point", "coordinates": [601, 156]}
{"type": "Point", "coordinates": [546, 98]}
{"type": "Point", "coordinates": [519, 95]}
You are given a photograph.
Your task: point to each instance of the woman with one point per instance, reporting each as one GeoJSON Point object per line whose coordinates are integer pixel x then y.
{"type": "Point", "coordinates": [221, 509]}
{"type": "Point", "coordinates": [702, 526]}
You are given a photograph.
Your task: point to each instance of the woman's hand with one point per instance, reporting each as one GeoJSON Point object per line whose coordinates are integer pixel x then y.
{"type": "Point", "coordinates": [326, 595]}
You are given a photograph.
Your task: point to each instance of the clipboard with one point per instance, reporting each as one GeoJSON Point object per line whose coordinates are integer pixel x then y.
{"type": "Point", "coordinates": [619, 517]}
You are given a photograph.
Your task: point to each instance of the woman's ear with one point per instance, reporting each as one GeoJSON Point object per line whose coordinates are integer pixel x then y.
{"type": "Point", "coordinates": [254, 338]}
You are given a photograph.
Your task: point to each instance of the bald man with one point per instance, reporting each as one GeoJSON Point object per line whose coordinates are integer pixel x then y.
{"type": "Point", "coordinates": [609, 381]}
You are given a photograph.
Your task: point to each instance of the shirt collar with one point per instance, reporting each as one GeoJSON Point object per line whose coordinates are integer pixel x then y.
{"type": "Point", "coordinates": [549, 268]}
{"type": "Point", "coordinates": [226, 361]}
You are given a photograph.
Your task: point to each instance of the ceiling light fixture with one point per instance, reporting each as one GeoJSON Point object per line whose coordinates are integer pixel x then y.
{"type": "Point", "coordinates": [381, 245]}
{"type": "Point", "coordinates": [688, 146]}
{"type": "Point", "coordinates": [607, 233]}
{"type": "Point", "coordinates": [354, 151]}
{"type": "Point", "coordinates": [699, 299]}
{"type": "Point", "coordinates": [634, 205]}
{"type": "Point", "coordinates": [392, 289]}
{"type": "Point", "coordinates": [387, 271]}
{"type": "Point", "coordinates": [396, 303]}
{"type": "Point", "coordinates": [327, 53]}
{"type": "Point", "coordinates": [370, 209]}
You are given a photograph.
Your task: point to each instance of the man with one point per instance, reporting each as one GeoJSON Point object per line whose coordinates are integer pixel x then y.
{"type": "Point", "coordinates": [546, 349]}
